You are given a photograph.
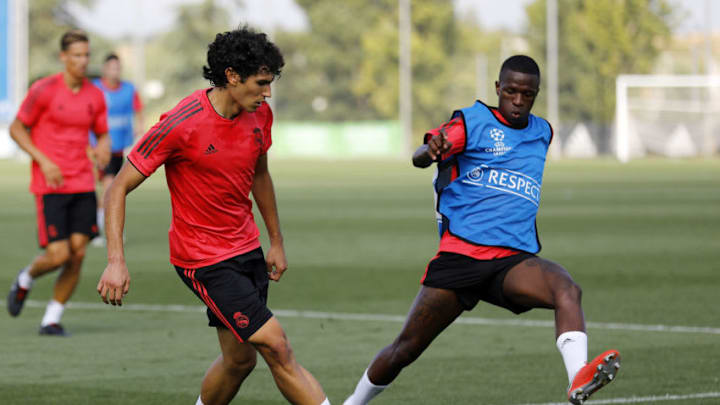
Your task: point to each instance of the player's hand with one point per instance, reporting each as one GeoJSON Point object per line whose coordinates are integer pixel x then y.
{"type": "Point", "coordinates": [52, 173]}
{"type": "Point", "coordinates": [276, 261]}
{"type": "Point", "coordinates": [102, 157]}
{"type": "Point", "coordinates": [438, 145]}
{"type": "Point", "coordinates": [114, 283]}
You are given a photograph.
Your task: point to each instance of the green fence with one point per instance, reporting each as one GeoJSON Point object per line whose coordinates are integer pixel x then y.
{"type": "Point", "coordinates": [366, 139]}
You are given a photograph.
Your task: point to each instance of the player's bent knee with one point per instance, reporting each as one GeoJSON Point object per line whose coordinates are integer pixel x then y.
{"type": "Point", "coordinates": [58, 255]}
{"type": "Point", "coordinates": [77, 255]}
{"type": "Point", "coordinates": [570, 293]}
{"type": "Point", "coordinates": [241, 366]}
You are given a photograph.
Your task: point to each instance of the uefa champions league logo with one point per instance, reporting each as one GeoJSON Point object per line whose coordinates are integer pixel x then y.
{"type": "Point", "coordinates": [499, 149]}
{"type": "Point", "coordinates": [497, 135]}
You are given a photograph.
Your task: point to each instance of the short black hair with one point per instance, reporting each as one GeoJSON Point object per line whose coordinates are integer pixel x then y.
{"type": "Point", "coordinates": [71, 37]}
{"type": "Point", "coordinates": [244, 50]}
{"type": "Point", "coordinates": [111, 56]}
{"type": "Point", "coordinates": [521, 64]}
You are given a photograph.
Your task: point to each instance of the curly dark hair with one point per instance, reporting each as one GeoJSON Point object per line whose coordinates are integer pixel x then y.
{"type": "Point", "coordinates": [244, 50]}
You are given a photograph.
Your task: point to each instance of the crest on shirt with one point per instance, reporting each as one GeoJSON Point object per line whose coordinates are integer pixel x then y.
{"type": "Point", "coordinates": [476, 175]}
{"type": "Point", "coordinates": [258, 136]}
{"type": "Point", "coordinates": [499, 148]}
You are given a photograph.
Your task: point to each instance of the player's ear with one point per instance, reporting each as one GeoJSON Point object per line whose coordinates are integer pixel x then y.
{"type": "Point", "coordinates": [232, 77]}
{"type": "Point", "coordinates": [497, 88]}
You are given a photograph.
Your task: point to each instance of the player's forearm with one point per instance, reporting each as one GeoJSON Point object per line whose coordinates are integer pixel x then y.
{"type": "Point", "coordinates": [114, 203]}
{"type": "Point", "coordinates": [264, 195]}
{"type": "Point", "coordinates": [21, 135]}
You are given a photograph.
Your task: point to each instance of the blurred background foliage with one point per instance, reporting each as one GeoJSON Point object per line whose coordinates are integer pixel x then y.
{"type": "Point", "coordinates": [344, 67]}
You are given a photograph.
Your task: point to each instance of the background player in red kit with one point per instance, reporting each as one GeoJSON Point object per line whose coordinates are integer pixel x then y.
{"type": "Point", "coordinates": [214, 147]}
{"type": "Point", "coordinates": [52, 127]}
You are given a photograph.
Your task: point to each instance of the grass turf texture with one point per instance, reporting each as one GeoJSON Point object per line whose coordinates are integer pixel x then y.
{"type": "Point", "coordinates": [643, 240]}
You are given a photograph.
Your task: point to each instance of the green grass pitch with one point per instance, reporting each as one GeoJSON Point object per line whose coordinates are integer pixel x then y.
{"type": "Point", "coordinates": [642, 239]}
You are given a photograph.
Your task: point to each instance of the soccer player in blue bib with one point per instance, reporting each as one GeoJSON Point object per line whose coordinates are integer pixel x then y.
{"type": "Point", "coordinates": [490, 165]}
{"type": "Point", "coordinates": [124, 120]}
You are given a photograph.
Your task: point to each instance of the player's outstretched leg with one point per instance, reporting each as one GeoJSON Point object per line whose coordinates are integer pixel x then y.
{"type": "Point", "coordinates": [433, 310]}
{"type": "Point", "coordinates": [541, 283]}
{"type": "Point", "coordinates": [294, 382]}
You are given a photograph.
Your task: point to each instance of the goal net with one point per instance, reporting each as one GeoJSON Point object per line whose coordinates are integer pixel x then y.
{"type": "Point", "coordinates": [667, 115]}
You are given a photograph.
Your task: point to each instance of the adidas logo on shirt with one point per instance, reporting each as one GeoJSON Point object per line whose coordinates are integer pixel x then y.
{"type": "Point", "coordinates": [210, 150]}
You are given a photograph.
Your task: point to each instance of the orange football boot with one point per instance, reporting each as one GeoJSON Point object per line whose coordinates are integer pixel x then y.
{"type": "Point", "coordinates": [593, 376]}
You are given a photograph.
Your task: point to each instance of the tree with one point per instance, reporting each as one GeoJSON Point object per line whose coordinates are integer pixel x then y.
{"type": "Point", "coordinates": [598, 40]}
{"type": "Point", "coordinates": [350, 57]}
{"type": "Point", "coordinates": [176, 58]}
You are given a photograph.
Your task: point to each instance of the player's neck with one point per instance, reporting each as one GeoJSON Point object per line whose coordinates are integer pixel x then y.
{"type": "Point", "coordinates": [73, 83]}
{"type": "Point", "coordinates": [223, 103]}
{"type": "Point", "coordinates": [111, 83]}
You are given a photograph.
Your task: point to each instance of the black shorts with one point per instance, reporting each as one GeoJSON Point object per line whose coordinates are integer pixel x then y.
{"type": "Point", "coordinates": [235, 292]}
{"type": "Point", "coordinates": [474, 280]}
{"type": "Point", "coordinates": [113, 168]}
{"type": "Point", "coordinates": [61, 215]}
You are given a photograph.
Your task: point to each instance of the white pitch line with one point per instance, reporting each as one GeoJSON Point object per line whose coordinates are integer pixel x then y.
{"type": "Point", "coordinates": [289, 313]}
{"type": "Point", "coordinates": [641, 400]}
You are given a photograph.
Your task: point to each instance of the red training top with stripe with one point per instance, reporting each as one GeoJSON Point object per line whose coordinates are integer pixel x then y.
{"type": "Point", "coordinates": [209, 167]}
{"type": "Point", "coordinates": [455, 131]}
{"type": "Point", "coordinates": [59, 122]}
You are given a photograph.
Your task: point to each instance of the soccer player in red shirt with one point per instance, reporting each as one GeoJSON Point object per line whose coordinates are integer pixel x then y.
{"type": "Point", "coordinates": [52, 127]}
{"type": "Point", "coordinates": [214, 147]}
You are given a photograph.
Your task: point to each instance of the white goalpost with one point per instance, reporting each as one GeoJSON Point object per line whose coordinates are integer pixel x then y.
{"type": "Point", "coordinates": [666, 115]}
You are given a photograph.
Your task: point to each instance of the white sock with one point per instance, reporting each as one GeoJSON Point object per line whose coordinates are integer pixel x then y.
{"type": "Point", "coordinates": [199, 401]}
{"type": "Point", "coordinates": [573, 348]}
{"type": "Point", "coordinates": [101, 220]}
{"type": "Point", "coordinates": [25, 280]}
{"type": "Point", "coordinates": [325, 402]}
{"type": "Point", "coordinates": [364, 392]}
{"type": "Point", "coordinates": [53, 313]}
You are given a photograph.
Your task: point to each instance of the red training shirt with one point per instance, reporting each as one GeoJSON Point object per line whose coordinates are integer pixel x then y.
{"type": "Point", "coordinates": [209, 167]}
{"type": "Point", "coordinates": [59, 121]}
{"type": "Point", "coordinates": [455, 130]}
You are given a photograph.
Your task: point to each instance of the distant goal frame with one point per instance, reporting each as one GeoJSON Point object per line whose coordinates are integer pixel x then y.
{"type": "Point", "coordinates": [624, 82]}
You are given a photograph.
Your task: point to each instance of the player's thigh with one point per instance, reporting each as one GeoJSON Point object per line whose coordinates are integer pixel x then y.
{"type": "Point", "coordinates": [52, 217]}
{"type": "Point", "coordinates": [433, 310]}
{"type": "Point", "coordinates": [535, 282]}
{"type": "Point", "coordinates": [82, 214]}
{"type": "Point", "coordinates": [236, 352]}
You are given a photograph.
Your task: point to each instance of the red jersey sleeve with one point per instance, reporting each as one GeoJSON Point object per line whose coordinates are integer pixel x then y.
{"type": "Point", "coordinates": [155, 147]}
{"type": "Point", "coordinates": [36, 101]}
{"type": "Point", "coordinates": [137, 103]}
{"type": "Point", "coordinates": [455, 130]}
{"type": "Point", "coordinates": [100, 124]}
{"type": "Point", "coordinates": [267, 131]}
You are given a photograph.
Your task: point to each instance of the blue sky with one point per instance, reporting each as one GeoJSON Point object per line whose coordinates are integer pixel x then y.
{"type": "Point", "coordinates": [122, 18]}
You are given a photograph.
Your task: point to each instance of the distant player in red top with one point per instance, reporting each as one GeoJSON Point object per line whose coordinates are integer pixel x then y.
{"type": "Point", "coordinates": [214, 147]}
{"type": "Point", "coordinates": [52, 127]}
